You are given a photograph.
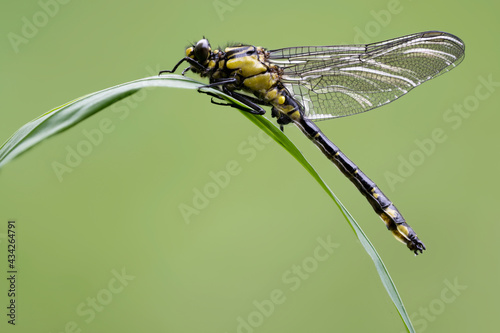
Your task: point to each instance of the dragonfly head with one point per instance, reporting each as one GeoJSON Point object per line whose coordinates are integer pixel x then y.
{"type": "Point", "coordinates": [200, 52]}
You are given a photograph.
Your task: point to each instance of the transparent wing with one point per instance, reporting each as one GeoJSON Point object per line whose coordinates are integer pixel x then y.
{"type": "Point", "coordinates": [337, 81]}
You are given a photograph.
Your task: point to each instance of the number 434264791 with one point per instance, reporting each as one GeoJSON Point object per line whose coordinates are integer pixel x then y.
{"type": "Point", "coordinates": [11, 249]}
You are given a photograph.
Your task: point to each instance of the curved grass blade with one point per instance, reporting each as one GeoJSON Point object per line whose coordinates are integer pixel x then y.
{"type": "Point", "coordinates": [268, 127]}
{"type": "Point", "coordinates": [67, 115]}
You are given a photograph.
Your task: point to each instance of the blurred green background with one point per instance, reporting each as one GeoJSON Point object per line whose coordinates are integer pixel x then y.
{"type": "Point", "coordinates": [104, 247]}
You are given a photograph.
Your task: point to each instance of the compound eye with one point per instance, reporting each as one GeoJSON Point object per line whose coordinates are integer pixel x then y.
{"type": "Point", "coordinates": [202, 51]}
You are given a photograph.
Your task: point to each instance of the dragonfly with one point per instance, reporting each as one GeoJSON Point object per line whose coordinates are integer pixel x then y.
{"type": "Point", "coordinates": [306, 84]}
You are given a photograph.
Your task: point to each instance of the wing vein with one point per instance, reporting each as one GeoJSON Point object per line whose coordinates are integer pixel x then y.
{"type": "Point", "coordinates": [337, 81]}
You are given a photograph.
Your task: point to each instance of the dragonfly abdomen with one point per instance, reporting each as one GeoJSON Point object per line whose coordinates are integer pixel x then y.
{"type": "Point", "coordinates": [377, 199]}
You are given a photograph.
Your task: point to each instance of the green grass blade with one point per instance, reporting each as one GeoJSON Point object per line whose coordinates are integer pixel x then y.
{"type": "Point", "coordinates": [386, 279]}
{"type": "Point", "coordinates": [65, 116]}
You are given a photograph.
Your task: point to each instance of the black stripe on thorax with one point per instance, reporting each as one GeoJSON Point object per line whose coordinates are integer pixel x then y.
{"type": "Point", "coordinates": [241, 51]}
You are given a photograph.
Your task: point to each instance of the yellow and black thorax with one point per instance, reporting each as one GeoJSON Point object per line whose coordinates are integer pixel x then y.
{"type": "Point", "coordinates": [246, 67]}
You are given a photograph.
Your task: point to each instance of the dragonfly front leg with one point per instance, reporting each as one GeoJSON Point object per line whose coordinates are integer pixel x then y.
{"type": "Point", "coordinates": [192, 62]}
{"type": "Point", "coordinates": [252, 103]}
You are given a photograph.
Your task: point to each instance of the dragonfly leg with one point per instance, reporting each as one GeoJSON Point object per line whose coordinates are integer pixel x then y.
{"type": "Point", "coordinates": [249, 101]}
{"type": "Point", "coordinates": [191, 61]}
{"type": "Point", "coordinates": [219, 82]}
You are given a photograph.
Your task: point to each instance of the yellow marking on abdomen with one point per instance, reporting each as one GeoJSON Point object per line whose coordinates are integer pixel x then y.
{"type": "Point", "coordinates": [391, 212]}
{"type": "Point", "coordinates": [295, 115]}
{"type": "Point", "coordinates": [386, 219]}
{"type": "Point", "coordinates": [403, 230]}
{"type": "Point", "coordinates": [271, 94]}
